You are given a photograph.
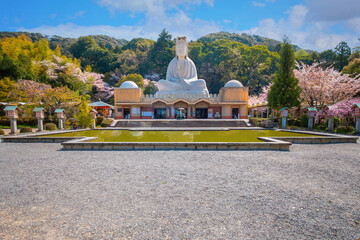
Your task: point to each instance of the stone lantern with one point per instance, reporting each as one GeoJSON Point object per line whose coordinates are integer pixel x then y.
{"type": "Point", "coordinates": [40, 114]}
{"type": "Point", "coordinates": [330, 119]}
{"type": "Point", "coordinates": [60, 117]}
{"type": "Point", "coordinates": [284, 114]}
{"type": "Point", "coordinates": [12, 113]}
{"type": "Point", "coordinates": [356, 109]}
{"type": "Point", "coordinates": [93, 115]}
{"type": "Point", "coordinates": [311, 111]}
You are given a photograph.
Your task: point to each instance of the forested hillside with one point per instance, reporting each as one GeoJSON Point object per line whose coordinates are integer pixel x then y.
{"type": "Point", "coordinates": [91, 65]}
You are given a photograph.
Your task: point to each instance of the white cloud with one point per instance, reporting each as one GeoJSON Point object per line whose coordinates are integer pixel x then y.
{"type": "Point", "coordinates": [157, 17]}
{"type": "Point", "coordinates": [354, 24]}
{"type": "Point", "coordinates": [77, 15]}
{"type": "Point", "coordinates": [258, 4]}
{"type": "Point", "coordinates": [315, 35]}
{"type": "Point", "coordinates": [332, 10]}
{"type": "Point", "coordinates": [297, 15]}
{"type": "Point", "coordinates": [149, 6]}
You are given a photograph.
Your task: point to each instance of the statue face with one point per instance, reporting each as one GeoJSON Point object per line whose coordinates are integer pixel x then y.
{"type": "Point", "coordinates": [181, 48]}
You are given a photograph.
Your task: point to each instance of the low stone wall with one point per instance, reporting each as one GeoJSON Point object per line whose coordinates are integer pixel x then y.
{"type": "Point", "coordinates": [82, 144]}
{"type": "Point", "coordinates": [38, 139]}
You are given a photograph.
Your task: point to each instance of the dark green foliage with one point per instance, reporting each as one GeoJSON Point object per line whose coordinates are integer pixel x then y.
{"type": "Point", "coordinates": [345, 129]}
{"type": "Point", "coordinates": [50, 126]}
{"type": "Point", "coordinates": [285, 92]}
{"type": "Point", "coordinates": [2, 132]}
{"type": "Point", "coordinates": [4, 121]}
{"type": "Point", "coordinates": [150, 88]}
{"type": "Point", "coordinates": [99, 120]}
{"type": "Point", "coordinates": [321, 127]}
{"type": "Point", "coordinates": [304, 121]}
{"type": "Point", "coordinates": [25, 129]}
{"type": "Point", "coordinates": [343, 52]}
{"type": "Point", "coordinates": [294, 122]}
{"type": "Point", "coordinates": [161, 54]}
{"type": "Point", "coordinates": [327, 58]}
{"type": "Point", "coordinates": [106, 122]}
{"type": "Point", "coordinates": [79, 48]}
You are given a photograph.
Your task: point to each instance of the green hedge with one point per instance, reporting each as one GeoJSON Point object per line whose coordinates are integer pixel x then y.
{"type": "Point", "coordinates": [25, 129]}
{"type": "Point", "coordinates": [345, 129]}
{"type": "Point", "coordinates": [50, 126]}
{"type": "Point", "coordinates": [106, 122]}
{"type": "Point", "coordinates": [99, 120]}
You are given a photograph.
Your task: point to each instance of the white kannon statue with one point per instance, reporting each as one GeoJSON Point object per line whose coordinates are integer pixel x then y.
{"type": "Point", "coordinates": [181, 75]}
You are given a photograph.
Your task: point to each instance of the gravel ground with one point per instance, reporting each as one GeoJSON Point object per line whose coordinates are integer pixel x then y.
{"type": "Point", "coordinates": [311, 192]}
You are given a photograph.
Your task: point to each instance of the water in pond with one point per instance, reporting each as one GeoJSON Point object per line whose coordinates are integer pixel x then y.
{"type": "Point", "coordinates": [179, 136]}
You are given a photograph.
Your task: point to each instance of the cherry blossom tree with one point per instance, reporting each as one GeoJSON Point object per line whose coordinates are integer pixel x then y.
{"type": "Point", "coordinates": [320, 87]}
{"type": "Point", "coordinates": [261, 98]}
{"type": "Point", "coordinates": [101, 89]}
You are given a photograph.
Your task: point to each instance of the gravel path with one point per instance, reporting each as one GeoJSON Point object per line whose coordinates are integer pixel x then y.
{"type": "Point", "coordinates": [311, 192]}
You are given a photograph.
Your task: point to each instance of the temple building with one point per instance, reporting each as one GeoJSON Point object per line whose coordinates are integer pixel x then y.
{"type": "Point", "coordinates": [230, 103]}
{"type": "Point", "coordinates": [181, 95]}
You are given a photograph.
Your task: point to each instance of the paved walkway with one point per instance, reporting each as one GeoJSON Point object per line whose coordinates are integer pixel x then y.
{"type": "Point", "coordinates": [311, 192]}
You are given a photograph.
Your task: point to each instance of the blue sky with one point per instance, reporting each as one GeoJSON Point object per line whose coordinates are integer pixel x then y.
{"type": "Point", "coordinates": [311, 24]}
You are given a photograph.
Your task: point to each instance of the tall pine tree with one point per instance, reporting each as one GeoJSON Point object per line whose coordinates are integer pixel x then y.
{"type": "Point", "coordinates": [285, 92]}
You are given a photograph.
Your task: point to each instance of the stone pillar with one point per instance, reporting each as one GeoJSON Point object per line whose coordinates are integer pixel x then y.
{"type": "Point", "coordinates": [40, 124]}
{"type": "Point", "coordinates": [93, 124]}
{"type": "Point", "coordinates": [13, 125]}
{"type": "Point", "coordinates": [252, 112]}
{"type": "Point", "coordinates": [267, 112]}
{"type": "Point", "coordinates": [172, 112]}
{"type": "Point", "coordinates": [310, 123]}
{"type": "Point", "coordinates": [61, 123]}
{"type": "Point", "coordinates": [189, 112]}
{"type": "Point", "coordinates": [331, 123]}
{"type": "Point", "coordinates": [283, 123]}
{"type": "Point", "coordinates": [357, 125]}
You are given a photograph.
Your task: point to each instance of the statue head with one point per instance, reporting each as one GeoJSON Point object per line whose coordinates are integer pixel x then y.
{"type": "Point", "coordinates": [181, 47]}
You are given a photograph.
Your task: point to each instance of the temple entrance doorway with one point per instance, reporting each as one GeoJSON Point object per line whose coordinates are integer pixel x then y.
{"type": "Point", "coordinates": [160, 113]}
{"type": "Point", "coordinates": [183, 106]}
{"type": "Point", "coordinates": [159, 110]}
{"type": "Point", "coordinates": [202, 113]}
{"type": "Point", "coordinates": [201, 110]}
{"type": "Point", "coordinates": [126, 113]}
{"type": "Point", "coordinates": [235, 113]}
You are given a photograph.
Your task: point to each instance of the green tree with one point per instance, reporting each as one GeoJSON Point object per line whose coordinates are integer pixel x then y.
{"type": "Point", "coordinates": [343, 52]}
{"type": "Point", "coordinates": [327, 58]}
{"type": "Point", "coordinates": [84, 116]}
{"type": "Point", "coordinates": [136, 78]}
{"type": "Point", "coordinates": [353, 68]}
{"type": "Point", "coordinates": [285, 91]}
{"type": "Point", "coordinates": [150, 88]}
{"type": "Point", "coordinates": [162, 53]}
{"type": "Point", "coordinates": [78, 48]}
{"type": "Point", "coordinates": [6, 86]}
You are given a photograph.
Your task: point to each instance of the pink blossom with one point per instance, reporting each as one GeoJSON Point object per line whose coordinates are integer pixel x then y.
{"type": "Point", "coordinates": [320, 87]}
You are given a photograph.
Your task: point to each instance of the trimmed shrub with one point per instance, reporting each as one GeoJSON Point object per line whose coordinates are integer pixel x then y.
{"type": "Point", "coordinates": [294, 122]}
{"type": "Point", "coordinates": [321, 127]}
{"type": "Point", "coordinates": [50, 126]}
{"type": "Point", "coordinates": [345, 129]}
{"type": "Point", "coordinates": [4, 121]}
{"type": "Point", "coordinates": [304, 121]}
{"type": "Point", "coordinates": [99, 120]}
{"type": "Point", "coordinates": [106, 122]}
{"type": "Point", "coordinates": [2, 132]}
{"type": "Point", "coordinates": [25, 129]}
{"type": "Point", "coordinates": [31, 121]}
